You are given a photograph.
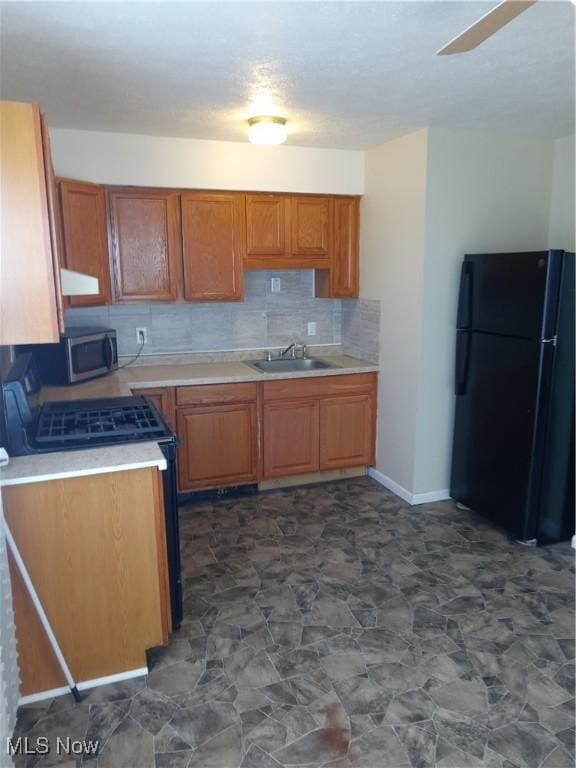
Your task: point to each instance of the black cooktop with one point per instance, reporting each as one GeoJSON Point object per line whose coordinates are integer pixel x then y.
{"type": "Point", "coordinates": [73, 424]}
{"type": "Point", "coordinates": [114, 419]}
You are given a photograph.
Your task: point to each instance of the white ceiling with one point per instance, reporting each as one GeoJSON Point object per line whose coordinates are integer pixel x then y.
{"type": "Point", "coordinates": [345, 74]}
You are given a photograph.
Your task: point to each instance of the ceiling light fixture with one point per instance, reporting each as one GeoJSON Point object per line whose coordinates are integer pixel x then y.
{"type": "Point", "coordinates": [267, 130]}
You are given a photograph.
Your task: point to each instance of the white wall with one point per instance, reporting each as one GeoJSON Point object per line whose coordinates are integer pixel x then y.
{"type": "Point", "coordinates": [430, 198]}
{"type": "Point", "coordinates": [562, 213]}
{"type": "Point", "coordinates": [484, 193]}
{"type": "Point", "coordinates": [119, 158]}
{"type": "Point", "coordinates": [392, 248]}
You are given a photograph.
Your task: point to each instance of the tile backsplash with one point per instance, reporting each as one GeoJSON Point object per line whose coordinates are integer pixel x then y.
{"type": "Point", "coordinates": [263, 320]}
{"type": "Point", "coordinates": [361, 328]}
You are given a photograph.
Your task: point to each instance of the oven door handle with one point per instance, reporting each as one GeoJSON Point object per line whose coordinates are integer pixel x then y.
{"type": "Point", "coordinates": [109, 353]}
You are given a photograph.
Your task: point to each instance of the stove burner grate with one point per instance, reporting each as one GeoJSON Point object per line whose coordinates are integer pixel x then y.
{"type": "Point", "coordinates": [128, 421]}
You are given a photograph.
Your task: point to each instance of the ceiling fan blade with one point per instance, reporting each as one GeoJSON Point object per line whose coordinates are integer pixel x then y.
{"type": "Point", "coordinates": [486, 26]}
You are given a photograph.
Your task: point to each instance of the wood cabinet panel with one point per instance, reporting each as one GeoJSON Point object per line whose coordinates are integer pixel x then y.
{"type": "Point", "coordinates": [146, 244]}
{"type": "Point", "coordinates": [290, 438]}
{"type": "Point", "coordinates": [164, 399]}
{"type": "Point", "coordinates": [320, 386]}
{"type": "Point", "coordinates": [311, 226]}
{"type": "Point", "coordinates": [218, 446]}
{"type": "Point", "coordinates": [85, 236]}
{"type": "Point", "coordinates": [54, 221]}
{"type": "Point", "coordinates": [213, 246]}
{"type": "Point", "coordinates": [267, 230]}
{"type": "Point", "coordinates": [346, 431]}
{"type": "Point", "coordinates": [342, 280]}
{"type": "Point", "coordinates": [204, 394]}
{"type": "Point", "coordinates": [28, 289]}
{"type": "Point", "coordinates": [90, 545]}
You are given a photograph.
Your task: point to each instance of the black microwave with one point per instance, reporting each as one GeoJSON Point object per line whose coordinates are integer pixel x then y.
{"type": "Point", "coordinates": [81, 354]}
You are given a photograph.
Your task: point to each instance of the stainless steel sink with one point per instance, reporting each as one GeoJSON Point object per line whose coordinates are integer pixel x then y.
{"type": "Point", "coordinates": [289, 365]}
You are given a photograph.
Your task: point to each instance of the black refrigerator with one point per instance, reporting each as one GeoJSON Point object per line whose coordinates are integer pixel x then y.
{"type": "Point", "coordinates": [513, 449]}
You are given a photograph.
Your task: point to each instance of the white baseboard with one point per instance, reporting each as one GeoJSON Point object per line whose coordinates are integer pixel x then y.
{"type": "Point", "coordinates": [387, 482]}
{"type": "Point", "coordinates": [83, 686]}
{"type": "Point", "coordinates": [412, 498]}
{"type": "Point", "coordinates": [430, 496]}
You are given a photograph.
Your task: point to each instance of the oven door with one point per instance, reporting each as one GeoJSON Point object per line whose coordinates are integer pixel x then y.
{"type": "Point", "coordinates": [91, 356]}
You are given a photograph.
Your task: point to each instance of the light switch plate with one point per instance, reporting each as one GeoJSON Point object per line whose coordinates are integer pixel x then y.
{"type": "Point", "coordinates": [275, 285]}
{"type": "Point", "coordinates": [311, 329]}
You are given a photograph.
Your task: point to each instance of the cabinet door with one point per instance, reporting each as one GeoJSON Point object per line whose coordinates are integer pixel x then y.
{"type": "Point", "coordinates": [290, 438]}
{"type": "Point", "coordinates": [85, 235]}
{"type": "Point", "coordinates": [347, 431]}
{"type": "Point", "coordinates": [164, 399]}
{"type": "Point", "coordinates": [28, 294]}
{"type": "Point", "coordinates": [218, 446]}
{"type": "Point", "coordinates": [341, 281]}
{"type": "Point", "coordinates": [267, 232]}
{"type": "Point", "coordinates": [54, 220]}
{"type": "Point", "coordinates": [311, 225]}
{"type": "Point", "coordinates": [146, 245]}
{"type": "Point", "coordinates": [213, 246]}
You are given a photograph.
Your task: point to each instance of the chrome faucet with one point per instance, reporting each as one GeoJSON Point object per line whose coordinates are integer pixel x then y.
{"type": "Point", "coordinates": [290, 348]}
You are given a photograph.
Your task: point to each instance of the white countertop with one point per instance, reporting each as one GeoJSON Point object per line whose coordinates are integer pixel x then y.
{"type": "Point", "coordinates": [39, 467]}
{"type": "Point", "coordinates": [123, 381]}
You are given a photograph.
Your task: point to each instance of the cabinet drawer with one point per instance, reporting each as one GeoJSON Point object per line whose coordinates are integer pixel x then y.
{"type": "Point", "coordinates": [203, 394]}
{"type": "Point", "coordinates": [321, 386]}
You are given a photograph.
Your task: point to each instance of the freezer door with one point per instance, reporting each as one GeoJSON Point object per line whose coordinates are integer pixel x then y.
{"type": "Point", "coordinates": [496, 398]}
{"type": "Point", "coordinates": [507, 293]}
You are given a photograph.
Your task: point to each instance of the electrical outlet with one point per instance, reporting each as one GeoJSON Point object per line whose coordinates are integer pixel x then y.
{"type": "Point", "coordinates": [275, 284]}
{"type": "Point", "coordinates": [311, 329]}
{"type": "Point", "coordinates": [142, 335]}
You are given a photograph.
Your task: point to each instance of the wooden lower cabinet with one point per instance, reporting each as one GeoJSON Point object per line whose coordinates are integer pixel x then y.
{"type": "Point", "coordinates": [290, 438]}
{"type": "Point", "coordinates": [218, 446]}
{"type": "Point", "coordinates": [238, 434]}
{"type": "Point", "coordinates": [164, 399]}
{"type": "Point", "coordinates": [347, 431]}
{"type": "Point", "coordinates": [95, 549]}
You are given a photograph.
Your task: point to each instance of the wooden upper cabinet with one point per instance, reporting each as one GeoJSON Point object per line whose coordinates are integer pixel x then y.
{"type": "Point", "coordinates": [213, 245]}
{"type": "Point", "coordinates": [342, 279]}
{"type": "Point", "coordinates": [311, 226]}
{"type": "Point", "coordinates": [54, 220]}
{"type": "Point", "coordinates": [146, 244]}
{"type": "Point", "coordinates": [29, 291]}
{"type": "Point", "coordinates": [85, 236]}
{"type": "Point", "coordinates": [267, 230]}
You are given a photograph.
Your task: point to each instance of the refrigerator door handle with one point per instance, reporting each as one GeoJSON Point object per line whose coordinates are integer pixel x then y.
{"type": "Point", "coordinates": [464, 319]}
{"type": "Point", "coordinates": [463, 343]}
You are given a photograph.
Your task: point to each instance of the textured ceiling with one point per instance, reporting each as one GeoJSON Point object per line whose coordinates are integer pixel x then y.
{"type": "Point", "coordinates": [345, 74]}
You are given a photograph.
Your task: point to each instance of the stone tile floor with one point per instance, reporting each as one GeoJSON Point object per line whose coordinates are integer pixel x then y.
{"type": "Point", "coordinates": [333, 625]}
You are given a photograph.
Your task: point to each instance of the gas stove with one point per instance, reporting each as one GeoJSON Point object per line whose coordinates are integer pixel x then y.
{"type": "Point", "coordinates": [75, 424]}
